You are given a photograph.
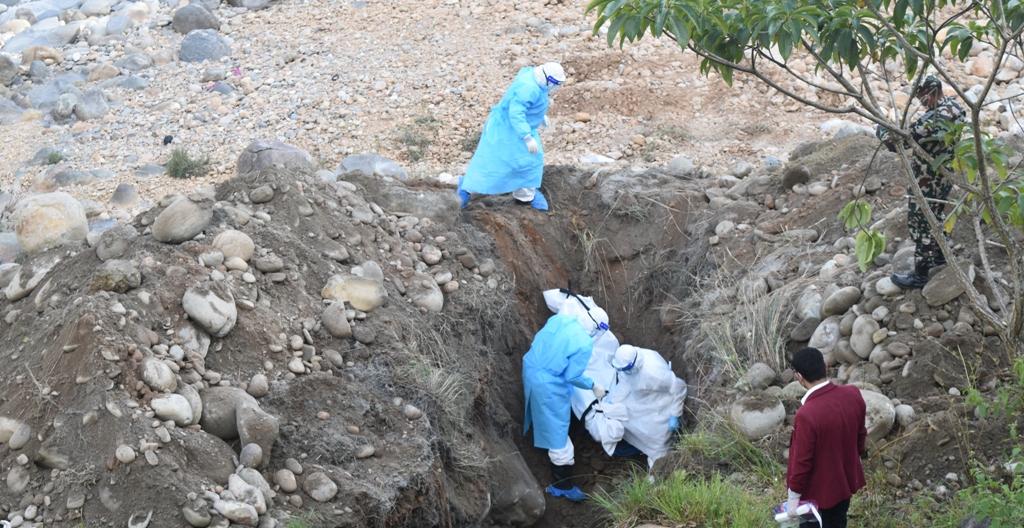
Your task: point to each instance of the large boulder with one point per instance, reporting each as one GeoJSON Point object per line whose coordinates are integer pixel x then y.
{"type": "Point", "coordinates": [181, 221]}
{"type": "Point", "coordinates": [45, 221]}
{"type": "Point", "coordinates": [92, 105]}
{"type": "Point", "coordinates": [211, 305]}
{"type": "Point", "coordinates": [369, 164]}
{"type": "Point", "coordinates": [862, 339]}
{"type": "Point", "coordinates": [251, 5]}
{"type": "Point", "coordinates": [8, 70]}
{"type": "Point", "coordinates": [760, 376]}
{"type": "Point", "coordinates": [944, 286]}
{"type": "Point", "coordinates": [115, 242]}
{"type": "Point", "coordinates": [265, 153]}
{"type": "Point", "coordinates": [203, 45]}
{"type": "Point", "coordinates": [517, 496]}
{"type": "Point", "coordinates": [880, 414]}
{"type": "Point", "coordinates": [192, 17]}
{"type": "Point", "coordinates": [840, 301]}
{"type": "Point", "coordinates": [441, 207]}
{"type": "Point", "coordinates": [758, 414]}
{"type": "Point", "coordinates": [220, 406]}
{"type": "Point", "coordinates": [256, 426]}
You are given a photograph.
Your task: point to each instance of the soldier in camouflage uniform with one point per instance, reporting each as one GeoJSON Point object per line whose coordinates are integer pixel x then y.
{"type": "Point", "coordinates": [928, 131]}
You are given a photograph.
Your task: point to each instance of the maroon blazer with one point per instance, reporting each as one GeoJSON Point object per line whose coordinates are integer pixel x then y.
{"type": "Point", "coordinates": [828, 439]}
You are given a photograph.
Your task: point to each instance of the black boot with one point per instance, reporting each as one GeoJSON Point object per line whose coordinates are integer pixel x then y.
{"type": "Point", "coordinates": [913, 280]}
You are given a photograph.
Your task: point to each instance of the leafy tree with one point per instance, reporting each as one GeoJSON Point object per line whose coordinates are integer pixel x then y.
{"type": "Point", "coordinates": [864, 52]}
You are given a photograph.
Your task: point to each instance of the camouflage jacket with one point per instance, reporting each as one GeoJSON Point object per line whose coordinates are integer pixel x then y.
{"type": "Point", "coordinates": [929, 131]}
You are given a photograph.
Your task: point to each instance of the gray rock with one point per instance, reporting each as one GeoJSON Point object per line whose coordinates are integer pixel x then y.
{"type": "Point", "coordinates": [319, 486]}
{"type": "Point", "coordinates": [868, 373]}
{"type": "Point", "coordinates": [903, 261]}
{"type": "Point", "coordinates": [191, 395]}
{"type": "Point", "coordinates": [246, 492]}
{"type": "Point", "coordinates": [39, 71]}
{"type": "Point", "coordinates": [760, 376]}
{"type": "Point", "coordinates": [211, 305]}
{"type": "Point", "coordinates": [173, 407]}
{"type": "Point", "coordinates": [116, 276]}
{"type": "Point", "coordinates": [65, 107]}
{"type": "Point", "coordinates": [251, 456]}
{"type": "Point", "coordinates": [18, 479]}
{"type": "Point", "coordinates": [237, 512]}
{"type": "Point", "coordinates": [158, 376]}
{"type": "Point", "coordinates": [844, 353]}
{"type": "Point", "coordinates": [804, 330]}
{"type": "Point", "coordinates": [203, 45]}
{"type": "Point", "coordinates": [425, 293]}
{"type": "Point", "coordinates": [517, 498]}
{"type": "Point", "coordinates": [369, 164]}
{"type": "Point", "coordinates": [8, 70]}
{"type": "Point", "coordinates": [269, 264]}
{"type": "Point", "coordinates": [880, 415]}
{"type": "Point", "coordinates": [898, 349]}
{"type": "Point", "coordinates": [904, 415]}
{"type": "Point", "coordinates": [46, 221]}
{"type": "Point", "coordinates": [258, 386]}
{"type": "Point", "coordinates": [256, 426]}
{"type": "Point", "coordinates": [885, 286]}
{"type": "Point", "coordinates": [124, 195]}
{"type": "Point", "coordinates": [251, 5]}
{"type": "Point", "coordinates": [95, 7]}
{"type": "Point", "coordinates": [262, 194]}
{"type": "Point", "coordinates": [192, 17]}
{"type": "Point", "coordinates": [741, 169]}
{"type": "Point", "coordinates": [336, 323]}
{"type": "Point", "coordinates": [92, 105]}
{"type": "Point", "coordinates": [793, 391]}
{"type": "Point", "coordinates": [285, 478]}
{"type": "Point", "coordinates": [137, 62]}
{"type": "Point", "coordinates": [114, 242]}
{"type": "Point", "coordinates": [363, 294]}
{"type": "Point", "coordinates": [181, 221]}
{"type": "Point", "coordinates": [758, 414]}
{"type": "Point", "coordinates": [826, 335]}
{"type": "Point", "coordinates": [26, 278]}
{"type": "Point", "coordinates": [944, 286]}
{"type": "Point", "coordinates": [220, 405]}
{"type": "Point", "coordinates": [232, 243]}
{"type": "Point", "coordinates": [265, 153]}
{"type": "Point", "coordinates": [118, 24]}
{"type": "Point", "coordinates": [795, 175]}
{"type": "Point", "coordinates": [840, 301]}
{"type": "Point", "coordinates": [680, 165]}
{"type": "Point", "coordinates": [197, 516]}
{"type": "Point", "coordinates": [861, 340]}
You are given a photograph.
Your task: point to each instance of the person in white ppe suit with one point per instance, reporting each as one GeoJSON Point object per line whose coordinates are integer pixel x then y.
{"type": "Point", "coordinates": [653, 398]}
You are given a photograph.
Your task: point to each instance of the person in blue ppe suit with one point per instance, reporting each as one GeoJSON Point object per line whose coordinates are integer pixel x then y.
{"type": "Point", "coordinates": [509, 157]}
{"type": "Point", "coordinates": [553, 366]}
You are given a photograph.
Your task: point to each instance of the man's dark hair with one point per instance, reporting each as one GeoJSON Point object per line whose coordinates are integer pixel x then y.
{"type": "Point", "coordinates": [809, 363]}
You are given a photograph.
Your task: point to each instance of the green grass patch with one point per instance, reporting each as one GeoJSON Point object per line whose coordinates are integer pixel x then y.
{"type": "Point", "coordinates": [719, 440]}
{"type": "Point", "coordinates": [686, 499]}
{"type": "Point", "coordinates": [418, 135]}
{"type": "Point", "coordinates": [182, 165]}
{"type": "Point", "coordinates": [55, 157]}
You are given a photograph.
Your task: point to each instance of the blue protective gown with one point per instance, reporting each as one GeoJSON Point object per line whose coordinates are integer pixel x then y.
{"type": "Point", "coordinates": [502, 163]}
{"type": "Point", "coordinates": [555, 362]}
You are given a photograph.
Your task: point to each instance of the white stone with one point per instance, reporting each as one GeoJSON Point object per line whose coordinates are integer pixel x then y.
{"type": "Point", "coordinates": [173, 407]}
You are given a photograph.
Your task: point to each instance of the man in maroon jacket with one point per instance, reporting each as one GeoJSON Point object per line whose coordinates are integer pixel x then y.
{"type": "Point", "coordinates": [828, 439]}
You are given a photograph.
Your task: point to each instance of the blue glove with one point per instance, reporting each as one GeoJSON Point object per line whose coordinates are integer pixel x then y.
{"type": "Point", "coordinates": [673, 423]}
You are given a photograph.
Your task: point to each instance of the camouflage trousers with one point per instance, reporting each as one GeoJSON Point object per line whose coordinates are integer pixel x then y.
{"type": "Point", "coordinates": [927, 250]}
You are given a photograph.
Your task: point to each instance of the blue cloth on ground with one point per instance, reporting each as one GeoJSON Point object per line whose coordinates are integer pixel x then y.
{"type": "Point", "coordinates": [575, 494]}
{"type": "Point", "coordinates": [463, 196]}
{"type": "Point", "coordinates": [554, 364]}
{"type": "Point", "coordinates": [502, 163]}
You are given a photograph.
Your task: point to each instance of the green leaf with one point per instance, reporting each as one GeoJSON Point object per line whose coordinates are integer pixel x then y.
{"type": "Point", "coordinates": [870, 243]}
{"type": "Point", "coordinates": [856, 214]}
{"type": "Point", "coordinates": [950, 222]}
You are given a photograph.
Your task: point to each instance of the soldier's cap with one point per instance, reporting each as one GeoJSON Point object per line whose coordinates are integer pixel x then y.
{"type": "Point", "coordinates": [929, 85]}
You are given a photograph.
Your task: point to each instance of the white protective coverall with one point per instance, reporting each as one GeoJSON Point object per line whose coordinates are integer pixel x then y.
{"type": "Point", "coordinates": [652, 395]}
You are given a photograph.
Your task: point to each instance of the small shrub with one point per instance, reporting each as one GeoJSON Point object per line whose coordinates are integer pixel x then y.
{"type": "Point", "coordinates": [55, 158]}
{"type": "Point", "coordinates": [182, 165]}
{"type": "Point", "coordinates": [471, 141]}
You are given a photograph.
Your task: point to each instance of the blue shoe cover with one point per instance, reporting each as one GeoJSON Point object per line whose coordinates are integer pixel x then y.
{"type": "Point", "coordinates": [575, 494]}
{"type": "Point", "coordinates": [540, 203]}
{"type": "Point", "coordinates": [464, 196]}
